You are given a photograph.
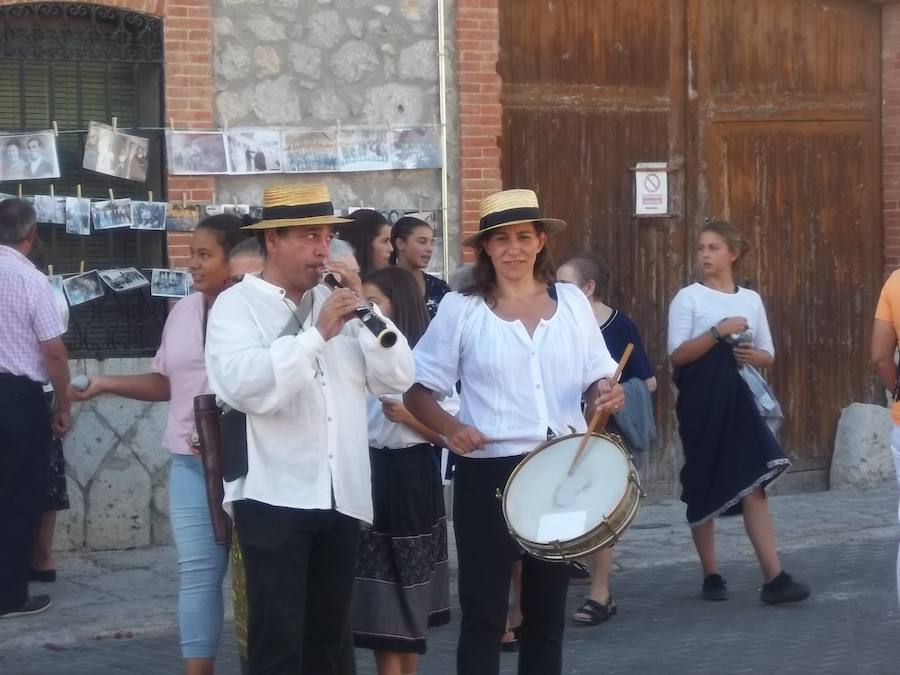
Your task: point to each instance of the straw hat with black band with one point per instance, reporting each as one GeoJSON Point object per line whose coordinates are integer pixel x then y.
{"type": "Point", "coordinates": [296, 205]}
{"type": "Point", "coordinates": [511, 207]}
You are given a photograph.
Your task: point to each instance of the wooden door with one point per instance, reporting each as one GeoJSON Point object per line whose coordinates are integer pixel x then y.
{"type": "Point", "coordinates": [767, 110]}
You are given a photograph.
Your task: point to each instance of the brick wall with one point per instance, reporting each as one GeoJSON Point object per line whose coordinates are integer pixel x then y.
{"type": "Point", "coordinates": [480, 121]}
{"type": "Point", "coordinates": [890, 73]}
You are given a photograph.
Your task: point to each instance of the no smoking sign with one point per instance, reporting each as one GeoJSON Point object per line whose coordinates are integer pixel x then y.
{"type": "Point", "coordinates": [651, 189]}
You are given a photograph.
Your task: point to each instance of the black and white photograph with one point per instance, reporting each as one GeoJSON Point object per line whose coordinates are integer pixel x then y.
{"type": "Point", "coordinates": [78, 216]}
{"type": "Point", "coordinates": [125, 279]}
{"type": "Point", "coordinates": [50, 209]}
{"type": "Point", "coordinates": [192, 153]}
{"type": "Point", "coordinates": [364, 150]}
{"type": "Point", "coordinates": [238, 210]}
{"type": "Point", "coordinates": [83, 288]}
{"type": "Point", "coordinates": [254, 151]}
{"type": "Point", "coordinates": [114, 153]}
{"type": "Point", "coordinates": [309, 151]}
{"type": "Point", "coordinates": [416, 148]}
{"type": "Point", "coordinates": [183, 217]}
{"type": "Point", "coordinates": [148, 215]}
{"type": "Point", "coordinates": [169, 283]}
{"type": "Point", "coordinates": [28, 156]}
{"type": "Point", "coordinates": [111, 214]}
{"type": "Point", "coordinates": [56, 283]}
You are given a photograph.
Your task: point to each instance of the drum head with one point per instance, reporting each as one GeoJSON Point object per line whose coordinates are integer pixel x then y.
{"type": "Point", "coordinates": [530, 501]}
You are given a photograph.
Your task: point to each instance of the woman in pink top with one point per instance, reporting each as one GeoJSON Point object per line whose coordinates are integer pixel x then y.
{"type": "Point", "coordinates": [180, 375]}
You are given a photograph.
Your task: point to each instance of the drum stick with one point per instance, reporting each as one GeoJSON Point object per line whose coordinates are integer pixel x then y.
{"type": "Point", "coordinates": [600, 414]}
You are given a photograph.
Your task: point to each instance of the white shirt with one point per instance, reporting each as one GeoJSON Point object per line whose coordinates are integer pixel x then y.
{"type": "Point", "coordinates": [386, 434]}
{"type": "Point", "coordinates": [514, 387]}
{"type": "Point", "coordinates": [696, 308]}
{"type": "Point", "coordinates": [305, 398]}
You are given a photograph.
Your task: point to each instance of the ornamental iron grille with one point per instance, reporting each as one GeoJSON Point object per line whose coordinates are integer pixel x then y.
{"type": "Point", "coordinates": [75, 63]}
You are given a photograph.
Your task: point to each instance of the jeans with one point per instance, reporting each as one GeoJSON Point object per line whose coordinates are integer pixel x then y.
{"type": "Point", "coordinates": [202, 562]}
{"type": "Point", "coordinates": [895, 451]}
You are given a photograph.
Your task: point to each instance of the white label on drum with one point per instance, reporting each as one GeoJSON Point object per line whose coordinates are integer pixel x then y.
{"type": "Point", "coordinates": [561, 526]}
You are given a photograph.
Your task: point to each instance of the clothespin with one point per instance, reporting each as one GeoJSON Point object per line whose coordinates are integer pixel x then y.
{"type": "Point", "coordinates": [55, 129]}
{"type": "Point", "coordinates": [78, 191]}
{"type": "Point", "coordinates": [50, 270]}
{"type": "Point", "coordinates": [81, 267]}
{"type": "Point", "coordinates": [184, 200]}
{"type": "Point", "coordinates": [51, 191]}
{"type": "Point", "coordinates": [20, 191]}
{"type": "Point", "coordinates": [115, 124]}
{"type": "Point", "coordinates": [111, 197]}
{"type": "Point", "coordinates": [149, 195]}
{"type": "Point", "coordinates": [339, 126]}
{"type": "Point", "coordinates": [171, 124]}
{"type": "Point", "coordinates": [420, 204]}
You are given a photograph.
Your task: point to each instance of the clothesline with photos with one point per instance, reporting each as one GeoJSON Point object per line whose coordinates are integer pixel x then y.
{"type": "Point", "coordinates": [81, 287]}
{"type": "Point", "coordinates": [79, 214]}
{"type": "Point", "coordinates": [229, 151]}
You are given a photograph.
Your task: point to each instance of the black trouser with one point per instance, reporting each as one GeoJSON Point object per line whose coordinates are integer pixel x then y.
{"type": "Point", "coordinates": [25, 442]}
{"type": "Point", "coordinates": [486, 553]}
{"type": "Point", "coordinates": [300, 566]}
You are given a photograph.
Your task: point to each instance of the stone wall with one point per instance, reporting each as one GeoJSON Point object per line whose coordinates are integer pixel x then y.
{"type": "Point", "coordinates": [310, 63]}
{"type": "Point", "coordinates": [117, 469]}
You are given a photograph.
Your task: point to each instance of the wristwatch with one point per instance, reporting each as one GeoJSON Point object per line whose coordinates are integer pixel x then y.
{"type": "Point", "coordinates": [715, 334]}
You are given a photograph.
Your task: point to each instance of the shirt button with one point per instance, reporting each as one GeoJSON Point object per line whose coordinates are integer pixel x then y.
{"type": "Point", "coordinates": [537, 386]}
{"type": "Point", "coordinates": [330, 456]}
{"type": "Point", "coordinates": [329, 419]}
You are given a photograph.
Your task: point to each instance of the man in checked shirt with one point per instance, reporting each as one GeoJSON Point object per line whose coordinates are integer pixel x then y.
{"type": "Point", "coordinates": [31, 353]}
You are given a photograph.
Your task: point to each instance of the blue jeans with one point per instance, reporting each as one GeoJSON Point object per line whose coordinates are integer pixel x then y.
{"type": "Point", "coordinates": [202, 562]}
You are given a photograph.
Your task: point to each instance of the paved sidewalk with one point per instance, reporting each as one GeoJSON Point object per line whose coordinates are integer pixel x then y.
{"type": "Point", "coordinates": [844, 542]}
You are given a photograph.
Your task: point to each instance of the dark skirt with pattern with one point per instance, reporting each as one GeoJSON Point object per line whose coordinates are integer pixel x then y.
{"type": "Point", "coordinates": [58, 491]}
{"type": "Point", "coordinates": [728, 449]}
{"type": "Point", "coordinates": [402, 582]}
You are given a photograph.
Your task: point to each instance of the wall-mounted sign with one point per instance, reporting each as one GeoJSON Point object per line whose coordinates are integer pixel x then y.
{"type": "Point", "coordinates": [651, 189]}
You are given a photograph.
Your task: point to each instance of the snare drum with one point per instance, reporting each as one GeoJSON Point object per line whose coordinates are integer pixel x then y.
{"type": "Point", "coordinates": [601, 511]}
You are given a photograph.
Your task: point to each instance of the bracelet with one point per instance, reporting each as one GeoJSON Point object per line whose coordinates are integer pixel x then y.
{"type": "Point", "coordinates": [715, 334]}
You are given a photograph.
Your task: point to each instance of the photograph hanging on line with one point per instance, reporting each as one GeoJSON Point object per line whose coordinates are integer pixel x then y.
{"type": "Point", "coordinates": [78, 216]}
{"type": "Point", "coordinates": [28, 156]}
{"type": "Point", "coordinates": [239, 210]}
{"type": "Point", "coordinates": [111, 213]}
{"type": "Point", "coordinates": [124, 279]}
{"type": "Point", "coordinates": [83, 288]}
{"type": "Point", "coordinates": [114, 153]}
{"type": "Point", "coordinates": [50, 209]}
{"type": "Point", "coordinates": [416, 148]}
{"type": "Point", "coordinates": [190, 153]}
{"type": "Point", "coordinates": [254, 151]}
{"type": "Point", "coordinates": [364, 150]}
{"type": "Point", "coordinates": [148, 215]}
{"type": "Point", "coordinates": [182, 217]}
{"type": "Point", "coordinates": [165, 283]}
{"type": "Point", "coordinates": [56, 284]}
{"type": "Point", "coordinates": [309, 151]}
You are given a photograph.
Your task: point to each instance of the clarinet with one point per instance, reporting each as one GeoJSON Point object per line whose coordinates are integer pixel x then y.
{"type": "Point", "coordinates": [387, 337]}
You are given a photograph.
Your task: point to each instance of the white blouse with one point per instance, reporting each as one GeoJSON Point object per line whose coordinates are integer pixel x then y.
{"type": "Point", "coordinates": [696, 308]}
{"type": "Point", "coordinates": [514, 387]}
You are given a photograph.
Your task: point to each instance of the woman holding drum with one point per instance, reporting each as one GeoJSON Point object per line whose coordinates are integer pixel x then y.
{"type": "Point", "coordinates": [526, 350]}
{"type": "Point", "coordinates": [730, 454]}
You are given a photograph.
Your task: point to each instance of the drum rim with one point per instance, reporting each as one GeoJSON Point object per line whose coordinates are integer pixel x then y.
{"type": "Point", "coordinates": [615, 439]}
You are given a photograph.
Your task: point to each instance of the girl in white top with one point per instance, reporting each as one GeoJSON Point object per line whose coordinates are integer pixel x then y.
{"type": "Point", "coordinates": [525, 351]}
{"type": "Point", "coordinates": [402, 584]}
{"type": "Point", "coordinates": [730, 455]}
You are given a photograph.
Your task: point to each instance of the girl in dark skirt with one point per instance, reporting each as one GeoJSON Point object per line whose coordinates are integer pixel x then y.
{"type": "Point", "coordinates": [730, 454]}
{"type": "Point", "coordinates": [402, 582]}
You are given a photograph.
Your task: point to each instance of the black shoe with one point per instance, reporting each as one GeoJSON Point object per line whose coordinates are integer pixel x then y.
{"type": "Point", "coordinates": [714, 587]}
{"type": "Point", "coordinates": [43, 576]}
{"type": "Point", "coordinates": [578, 570]}
{"type": "Point", "coordinates": [33, 605]}
{"type": "Point", "coordinates": [783, 588]}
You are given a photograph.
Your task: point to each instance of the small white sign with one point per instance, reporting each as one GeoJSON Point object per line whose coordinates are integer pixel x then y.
{"type": "Point", "coordinates": [561, 526]}
{"type": "Point", "coordinates": [651, 189]}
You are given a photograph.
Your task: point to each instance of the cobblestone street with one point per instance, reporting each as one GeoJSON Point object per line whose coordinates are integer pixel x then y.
{"type": "Point", "coordinates": [851, 625]}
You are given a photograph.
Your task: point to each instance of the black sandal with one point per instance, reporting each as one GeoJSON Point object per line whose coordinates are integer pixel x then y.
{"type": "Point", "coordinates": [598, 613]}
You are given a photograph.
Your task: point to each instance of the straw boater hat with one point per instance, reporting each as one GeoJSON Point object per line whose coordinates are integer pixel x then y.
{"type": "Point", "coordinates": [292, 205]}
{"type": "Point", "coordinates": [511, 207]}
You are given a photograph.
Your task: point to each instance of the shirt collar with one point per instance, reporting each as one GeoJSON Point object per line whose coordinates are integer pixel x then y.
{"type": "Point", "coordinates": [15, 255]}
{"type": "Point", "coordinates": [257, 282]}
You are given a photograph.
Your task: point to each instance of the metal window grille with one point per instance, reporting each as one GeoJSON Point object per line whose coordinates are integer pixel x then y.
{"type": "Point", "coordinates": [74, 63]}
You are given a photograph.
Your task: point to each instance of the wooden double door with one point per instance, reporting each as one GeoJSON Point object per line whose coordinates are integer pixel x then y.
{"type": "Point", "coordinates": [768, 114]}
